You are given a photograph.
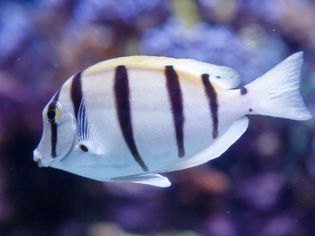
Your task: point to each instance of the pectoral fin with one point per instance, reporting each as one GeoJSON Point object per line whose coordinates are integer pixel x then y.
{"type": "Point", "coordinates": [150, 179]}
{"type": "Point", "coordinates": [88, 136]}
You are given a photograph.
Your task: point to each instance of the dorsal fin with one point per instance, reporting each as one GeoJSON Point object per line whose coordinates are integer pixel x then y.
{"type": "Point", "coordinates": [222, 76]}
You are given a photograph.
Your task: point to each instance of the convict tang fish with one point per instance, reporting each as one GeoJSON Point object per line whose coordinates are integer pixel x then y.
{"type": "Point", "coordinates": [131, 118]}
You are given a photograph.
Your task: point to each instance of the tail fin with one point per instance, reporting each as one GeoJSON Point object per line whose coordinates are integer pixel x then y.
{"type": "Point", "coordinates": [276, 93]}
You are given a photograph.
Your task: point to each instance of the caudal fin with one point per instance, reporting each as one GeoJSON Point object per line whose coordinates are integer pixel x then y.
{"type": "Point", "coordinates": [276, 93]}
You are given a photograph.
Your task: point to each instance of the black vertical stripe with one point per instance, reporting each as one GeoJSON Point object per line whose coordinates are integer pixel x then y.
{"type": "Point", "coordinates": [176, 100]}
{"type": "Point", "coordinates": [213, 103]}
{"type": "Point", "coordinates": [76, 93]}
{"type": "Point", "coordinates": [79, 106]}
{"type": "Point", "coordinates": [121, 91]}
{"type": "Point", "coordinates": [53, 126]}
{"type": "Point", "coordinates": [54, 136]}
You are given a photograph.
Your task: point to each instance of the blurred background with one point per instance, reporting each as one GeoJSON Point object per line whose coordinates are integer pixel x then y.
{"type": "Point", "coordinates": [263, 185]}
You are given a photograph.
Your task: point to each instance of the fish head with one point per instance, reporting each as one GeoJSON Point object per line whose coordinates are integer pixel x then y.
{"type": "Point", "coordinates": [58, 135]}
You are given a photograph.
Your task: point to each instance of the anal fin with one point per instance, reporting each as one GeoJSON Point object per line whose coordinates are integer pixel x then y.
{"type": "Point", "coordinates": [149, 178]}
{"type": "Point", "coordinates": [216, 149]}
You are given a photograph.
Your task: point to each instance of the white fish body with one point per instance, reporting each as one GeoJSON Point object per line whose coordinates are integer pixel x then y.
{"type": "Point", "coordinates": [130, 118]}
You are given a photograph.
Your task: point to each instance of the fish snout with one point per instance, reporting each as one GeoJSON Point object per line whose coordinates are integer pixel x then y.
{"type": "Point", "coordinates": [37, 157]}
{"type": "Point", "coordinates": [40, 159]}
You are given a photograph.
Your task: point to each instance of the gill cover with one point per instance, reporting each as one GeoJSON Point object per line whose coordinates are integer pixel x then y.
{"type": "Point", "coordinates": [58, 132]}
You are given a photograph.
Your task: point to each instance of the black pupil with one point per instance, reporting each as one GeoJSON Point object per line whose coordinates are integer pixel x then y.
{"type": "Point", "coordinates": [51, 114]}
{"type": "Point", "coordinates": [84, 148]}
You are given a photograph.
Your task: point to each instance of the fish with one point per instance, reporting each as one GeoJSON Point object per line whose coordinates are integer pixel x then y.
{"type": "Point", "coordinates": [131, 119]}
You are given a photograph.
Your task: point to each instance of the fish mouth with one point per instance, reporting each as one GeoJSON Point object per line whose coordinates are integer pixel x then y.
{"type": "Point", "coordinates": [38, 158]}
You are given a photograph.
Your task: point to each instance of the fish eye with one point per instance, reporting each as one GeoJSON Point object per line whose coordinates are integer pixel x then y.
{"type": "Point", "coordinates": [53, 113]}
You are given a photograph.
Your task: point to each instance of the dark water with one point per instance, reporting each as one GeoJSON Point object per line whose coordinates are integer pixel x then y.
{"type": "Point", "coordinates": [263, 185]}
